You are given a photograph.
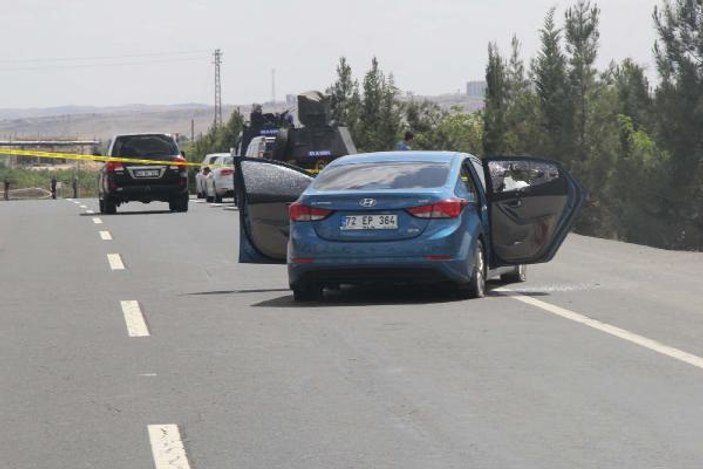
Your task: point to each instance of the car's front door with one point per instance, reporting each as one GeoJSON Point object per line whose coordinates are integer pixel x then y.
{"type": "Point", "coordinates": [265, 189]}
{"type": "Point", "coordinates": [532, 205]}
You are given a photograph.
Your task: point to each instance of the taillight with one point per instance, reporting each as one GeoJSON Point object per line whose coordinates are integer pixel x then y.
{"type": "Point", "coordinates": [226, 172]}
{"type": "Point", "coordinates": [178, 163]}
{"type": "Point", "coordinates": [300, 212]}
{"type": "Point", "coordinates": [450, 208]}
{"type": "Point", "coordinates": [113, 166]}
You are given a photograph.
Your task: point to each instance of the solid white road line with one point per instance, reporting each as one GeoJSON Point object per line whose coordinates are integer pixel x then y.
{"type": "Point", "coordinates": [615, 331]}
{"type": "Point", "coordinates": [97, 220]}
{"type": "Point", "coordinates": [167, 447]}
{"type": "Point", "coordinates": [115, 262]}
{"type": "Point", "coordinates": [133, 317]}
{"type": "Point", "coordinates": [105, 236]}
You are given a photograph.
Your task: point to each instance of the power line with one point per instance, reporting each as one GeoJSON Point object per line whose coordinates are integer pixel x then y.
{"type": "Point", "coordinates": [104, 57]}
{"type": "Point", "coordinates": [100, 65]}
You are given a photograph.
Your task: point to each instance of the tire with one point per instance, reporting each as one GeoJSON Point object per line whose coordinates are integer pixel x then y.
{"type": "Point", "coordinates": [307, 292]}
{"type": "Point", "coordinates": [476, 288]}
{"type": "Point", "coordinates": [110, 205]}
{"type": "Point", "coordinates": [519, 275]}
{"type": "Point", "coordinates": [179, 204]}
{"type": "Point", "coordinates": [209, 199]}
{"type": "Point", "coordinates": [101, 204]}
{"type": "Point", "coordinates": [217, 198]}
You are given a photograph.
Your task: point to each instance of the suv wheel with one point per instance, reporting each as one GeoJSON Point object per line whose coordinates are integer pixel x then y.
{"type": "Point", "coordinates": [110, 205]}
{"type": "Point", "coordinates": [179, 204]}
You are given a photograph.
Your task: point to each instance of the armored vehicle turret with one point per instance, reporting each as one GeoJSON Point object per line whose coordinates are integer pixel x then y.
{"type": "Point", "coordinates": [318, 141]}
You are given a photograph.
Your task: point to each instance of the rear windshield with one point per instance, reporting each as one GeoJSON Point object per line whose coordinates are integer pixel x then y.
{"type": "Point", "coordinates": [144, 146]}
{"type": "Point", "coordinates": [228, 161]}
{"type": "Point", "coordinates": [385, 175]}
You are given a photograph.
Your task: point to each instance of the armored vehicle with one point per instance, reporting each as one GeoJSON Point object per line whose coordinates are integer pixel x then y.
{"type": "Point", "coordinates": [318, 141]}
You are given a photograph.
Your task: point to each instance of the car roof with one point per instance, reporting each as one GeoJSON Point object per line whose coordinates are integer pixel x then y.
{"type": "Point", "coordinates": [142, 134]}
{"type": "Point", "coordinates": [395, 156]}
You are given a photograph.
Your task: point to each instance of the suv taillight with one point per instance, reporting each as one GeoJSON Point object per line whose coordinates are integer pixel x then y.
{"type": "Point", "coordinates": [179, 163]}
{"type": "Point", "coordinates": [300, 212]}
{"type": "Point", "coordinates": [450, 208]}
{"type": "Point", "coordinates": [114, 166]}
{"type": "Point", "coordinates": [226, 172]}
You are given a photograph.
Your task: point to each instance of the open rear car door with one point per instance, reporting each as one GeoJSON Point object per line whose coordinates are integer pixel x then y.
{"type": "Point", "coordinates": [533, 204]}
{"type": "Point", "coordinates": [265, 189]}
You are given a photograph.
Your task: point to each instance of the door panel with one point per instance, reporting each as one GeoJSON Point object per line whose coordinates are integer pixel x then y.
{"type": "Point", "coordinates": [533, 204]}
{"type": "Point", "coordinates": [264, 190]}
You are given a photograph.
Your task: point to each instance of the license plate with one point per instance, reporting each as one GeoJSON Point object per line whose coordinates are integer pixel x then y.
{"type": "Point", "coordinates": [146, 173]}
{"type": "Point", "coordinates": [369, 222]}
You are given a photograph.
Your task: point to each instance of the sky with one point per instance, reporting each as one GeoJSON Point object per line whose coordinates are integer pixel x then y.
{"type": "Point", "coordinates": [110, 53]}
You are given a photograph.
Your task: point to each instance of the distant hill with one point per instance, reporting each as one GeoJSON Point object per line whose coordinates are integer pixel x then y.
{"type": "Point", "coordinates": [103, 122]}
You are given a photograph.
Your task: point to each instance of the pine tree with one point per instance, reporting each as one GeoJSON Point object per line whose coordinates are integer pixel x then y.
{"type": "Point", "coordinates": [679, 111]}
{"type": "Point", "coordinates": [495, 128]}
{"type": "Point", "coordinates": [344, 96]}
{"type": "Point", "coordinates": [551, 85]}
{"type": "Point", "coordinates": [581, 30]}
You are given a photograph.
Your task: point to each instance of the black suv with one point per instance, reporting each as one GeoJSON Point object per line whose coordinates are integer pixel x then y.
{"type": "Point", "coordinates": [121, 182]}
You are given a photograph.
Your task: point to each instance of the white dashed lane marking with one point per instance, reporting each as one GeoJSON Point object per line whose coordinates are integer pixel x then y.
{"type": "Point", "coordinates": [167, 447]}
{"type": "Point", "coordinates": [115, 262]}
{"type": "Point", "coordinates": [105, 236]}
{"type": "Point", "coordinates": [134, 319]}
{"type": "Point", "coordinates": [83, 206]}
{"type": "Point", "coordinates": [89, 212]}
{"type": "Point", "coordinates": [97, 220]}
{"type": "Point", "coordinates": [615, 331]}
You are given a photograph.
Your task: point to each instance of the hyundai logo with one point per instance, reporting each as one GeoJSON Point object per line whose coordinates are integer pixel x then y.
{"type": "Point", "coordinates": [368, 203]}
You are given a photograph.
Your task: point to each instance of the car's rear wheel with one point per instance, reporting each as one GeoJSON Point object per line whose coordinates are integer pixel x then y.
{"type": "Point", "coordinates": [518, 275]}
{"type": "Point", "coordinates": [307, 292]}
{"type": "Point", "coordinates": [218, 198]}
{"type": "Point", "coordinates": [101, 204]}
{"type": "Point", "coordinates": [110, 205]}
{"type": "Point", "coordinates": [476, 287]}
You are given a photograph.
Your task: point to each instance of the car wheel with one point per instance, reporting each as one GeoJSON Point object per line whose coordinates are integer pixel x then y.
{"type": "Point", "coordinates": [307, 292]}
{"type": "Point", "coordinates": [476, 288]}
{"type": "Point", "coordinates": [518, 275]}
{"type": "Point", "coordinates": [110, 205]}
{"type": "Point", "coordinates": [101, 205]}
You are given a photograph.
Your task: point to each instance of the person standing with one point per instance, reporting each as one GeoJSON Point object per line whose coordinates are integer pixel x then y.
{"type": "Point", "coordinates": [53, 187]}
{"type": "Point", "coordinates": [404, 145]}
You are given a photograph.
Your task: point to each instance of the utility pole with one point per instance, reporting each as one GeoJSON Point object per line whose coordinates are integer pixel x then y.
{"type": "Point", "coordinates": [218, 89]}
{"type": "Point", "coordinates": [273, 86]}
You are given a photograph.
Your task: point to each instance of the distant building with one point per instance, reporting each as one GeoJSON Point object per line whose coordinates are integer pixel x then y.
{"type": "Point", "coordinates": [476, 89]}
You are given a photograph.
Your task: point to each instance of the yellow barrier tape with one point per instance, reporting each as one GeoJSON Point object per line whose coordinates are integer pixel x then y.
{"type": "Point", "coordinates": [116, 159]}
{"type": "Point", "coordinates": [103, 159]}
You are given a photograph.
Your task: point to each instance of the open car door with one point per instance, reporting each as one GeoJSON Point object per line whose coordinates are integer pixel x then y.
{"type": "Point", "coordinates": [265, 189]}
{"type": "Point", "coordinates": [532, 205]}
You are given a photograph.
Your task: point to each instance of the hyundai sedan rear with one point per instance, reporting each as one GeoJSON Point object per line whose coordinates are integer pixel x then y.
{"type": "Point", "coordinates": [404, 217]}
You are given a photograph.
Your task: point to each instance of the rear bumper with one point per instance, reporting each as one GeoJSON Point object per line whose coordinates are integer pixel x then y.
{"type": "Point", "coordinates": [148, 193]}
{"type": "Point", "coordinates": [379, 271]}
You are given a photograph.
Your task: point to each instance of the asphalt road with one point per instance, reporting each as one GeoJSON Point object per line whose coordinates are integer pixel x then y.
{"type": "Point", "coordinates": [595, 362]}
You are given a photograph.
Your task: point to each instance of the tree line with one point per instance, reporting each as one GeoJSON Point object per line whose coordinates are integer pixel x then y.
{"type": "Point", "coordinates": [637, 148]}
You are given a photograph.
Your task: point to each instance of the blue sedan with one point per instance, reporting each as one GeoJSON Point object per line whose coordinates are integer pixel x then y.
{"type": "Point", "coordinates": [404, 217]}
